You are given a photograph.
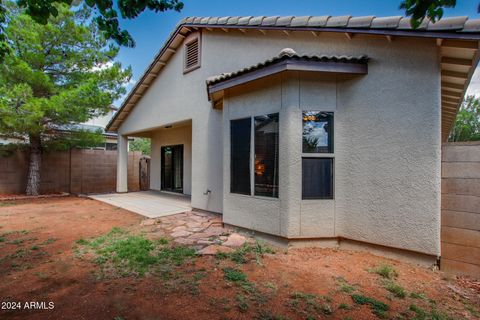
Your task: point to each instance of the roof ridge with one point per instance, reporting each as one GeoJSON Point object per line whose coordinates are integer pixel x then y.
{"type": "Point", "coordinates": [455, 23]}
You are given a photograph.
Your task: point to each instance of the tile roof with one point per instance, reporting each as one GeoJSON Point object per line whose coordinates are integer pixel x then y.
{"type": "Point", "coordinates": [458, 24]}
{"type": "Point", "coordinates": [454, 31]}
{"type": "Point", "coordinates": [285, 54]}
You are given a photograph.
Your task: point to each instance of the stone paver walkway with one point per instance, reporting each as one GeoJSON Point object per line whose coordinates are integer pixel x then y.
{"type": "Point", "coordinates": [202, 230]}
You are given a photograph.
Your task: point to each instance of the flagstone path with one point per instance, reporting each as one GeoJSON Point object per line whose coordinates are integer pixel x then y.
{"type": "Point", "coordinates": [202, 230]}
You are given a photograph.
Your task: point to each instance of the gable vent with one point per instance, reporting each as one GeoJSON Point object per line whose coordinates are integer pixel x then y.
{"type": "Point", "coordinates": [192, 55]}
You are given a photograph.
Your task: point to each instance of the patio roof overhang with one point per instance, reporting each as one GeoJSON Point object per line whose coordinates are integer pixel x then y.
{"type": "Point", "coordinates": [457, 38]}
{"type": "Point", "coordinates": [287, 60]}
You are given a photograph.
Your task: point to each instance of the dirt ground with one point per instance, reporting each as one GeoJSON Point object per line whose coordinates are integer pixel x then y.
{"type": "Point", "coordinates": [40, 262]}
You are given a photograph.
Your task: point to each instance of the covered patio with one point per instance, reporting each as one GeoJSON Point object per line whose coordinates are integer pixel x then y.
{"type": "Point", "coordinates": [152, 204]}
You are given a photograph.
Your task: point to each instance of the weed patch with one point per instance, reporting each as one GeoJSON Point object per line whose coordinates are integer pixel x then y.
{"type": "Point", "coordinates": [247, 252]}
{"type": "Point", "coordinates": [49, 241]}
{"type": "Point", "coordinates": [268, 315]}
{"type": "Point", "coordinates": [379, 308]}
{"type": "Point", "coordinates": [234, 275]}
{"type": "Point", "coordinates": [123, 254]}
{"type": "Point", "coordinates": [385, 271]}
{"type": "Point", "coordinates": [434, 314]}
{"type": "Point", "coordinates": [343, 286]}
{"type": "Point", "coordinates": [394, 288]}
{"type": "Point", "coordinates": [308, 304]}
{"type": "Point", "coordinates": [416, 295]}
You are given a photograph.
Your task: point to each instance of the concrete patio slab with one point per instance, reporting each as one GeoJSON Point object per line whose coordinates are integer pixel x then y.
{"type": "Point", "coordinates": [152, 204]}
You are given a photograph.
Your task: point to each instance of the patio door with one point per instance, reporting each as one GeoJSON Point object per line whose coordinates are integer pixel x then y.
{"type": "Point", "coordinates": [172, 168]}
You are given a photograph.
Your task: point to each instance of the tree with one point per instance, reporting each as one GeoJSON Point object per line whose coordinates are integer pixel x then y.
{"type": "Point", "coordinates": [141, 144]}
{"type": "Point", "coordinates": [418, 10]}
{"type": "Point", "coordinates": [57, 75]}
{"type": "Point", "coordinates": [467, 123]}
{"type": "Point", "coordinates": [105, 15]}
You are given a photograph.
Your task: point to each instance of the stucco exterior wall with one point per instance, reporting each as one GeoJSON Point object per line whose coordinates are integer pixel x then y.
{"type": "Point", "coordinates": [169, 137]}
{"type": "Point", "coordinates": [387, 135]}
{"type": "Point", "coordinates": [387, 151]}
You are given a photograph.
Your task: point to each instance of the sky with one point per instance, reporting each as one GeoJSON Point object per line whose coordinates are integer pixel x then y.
{"type": "Point", "coordinates": [150, 30]}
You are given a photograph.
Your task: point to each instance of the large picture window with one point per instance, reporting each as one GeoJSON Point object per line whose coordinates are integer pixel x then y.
{"type": "Point", "coordinates": [317, 178]}
{"type": "Point", "coordinates": [317, 132]}
{"type": "Point", "coordinates": [240, 133]}
{"type": "Point", "coordinates": [266, 155]}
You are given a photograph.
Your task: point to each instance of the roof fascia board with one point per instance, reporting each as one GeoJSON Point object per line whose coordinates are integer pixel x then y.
{"type": "Point", "coordinates": [403, 33]}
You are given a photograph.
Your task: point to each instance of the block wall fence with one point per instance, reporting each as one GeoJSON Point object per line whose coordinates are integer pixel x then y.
{"type": "Point", "coordinates": [76, 171]}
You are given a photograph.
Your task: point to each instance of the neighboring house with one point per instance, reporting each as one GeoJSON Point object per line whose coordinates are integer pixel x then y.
{"type": "Point", "coordinates": [94, 124]}
{"type": "Point", "coordinates": [99, 123]}
{"type": "Point", "coordinates": [319, 130]}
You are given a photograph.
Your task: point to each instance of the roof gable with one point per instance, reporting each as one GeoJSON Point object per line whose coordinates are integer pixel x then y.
{"type": "Point", "coordinates": [460, 33]}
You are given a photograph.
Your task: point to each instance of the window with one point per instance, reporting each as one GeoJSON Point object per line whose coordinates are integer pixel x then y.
{"type": "Point", "coordinates": [266, 155]}
{"type": "Point", "coordinates": [240, 133]}
{"type": "Point", "coordinates": [317, 178]}
{"type": "Point", "coordinates": [192, 55]}
{"type": "Point", "coordinates": [317, 132]}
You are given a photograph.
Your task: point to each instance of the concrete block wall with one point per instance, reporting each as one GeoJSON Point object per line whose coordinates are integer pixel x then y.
{"type": "Point", "coordinates": [461, 208]}
{"type": "Point", "coordinates": [76, 171]}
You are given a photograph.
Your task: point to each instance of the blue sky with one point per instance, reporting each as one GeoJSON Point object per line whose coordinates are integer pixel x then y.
{"type": "Point", "coordinates": [151, 30]}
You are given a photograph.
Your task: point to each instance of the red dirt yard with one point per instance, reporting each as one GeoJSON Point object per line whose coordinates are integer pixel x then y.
{"type": "Point", "coordinates": [49, 252]}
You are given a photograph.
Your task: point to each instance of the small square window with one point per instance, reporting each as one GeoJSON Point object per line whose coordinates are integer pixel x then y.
{"type": "Point", "coordinates": [317, 178]}
{"type": "Point", "coordinates": [317, 132]}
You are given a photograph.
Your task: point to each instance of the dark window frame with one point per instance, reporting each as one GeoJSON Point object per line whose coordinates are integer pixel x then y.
{"type": "Point", "coordinates": [331, 132]}
{"type": "Point", "coordinates": [332, 179]}
{"type": "Point", "coordinates": [235, 189]}
{"type": "Point", "coordinates": [276, 178]}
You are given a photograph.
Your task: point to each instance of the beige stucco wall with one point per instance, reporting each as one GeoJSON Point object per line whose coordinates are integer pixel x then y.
{"type": "Point", "coordinates": [387, 150]}
{"type": "Point", "coordinates": [387, 135]}
{"type": "Point", "coordinates": [169, 137]}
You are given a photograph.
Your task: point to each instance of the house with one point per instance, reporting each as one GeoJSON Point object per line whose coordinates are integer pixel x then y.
{"type": "Point", "coordinates": [95, 124]}
{"type": "Point", "coordinates": [310, 130]}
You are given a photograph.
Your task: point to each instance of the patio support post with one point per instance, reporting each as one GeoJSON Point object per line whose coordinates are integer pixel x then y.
{"type": "Point", "coordinates": [122, 163]}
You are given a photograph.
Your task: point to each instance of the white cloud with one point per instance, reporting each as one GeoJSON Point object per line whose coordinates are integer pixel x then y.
{"type": "Point", "coordinates": [474, 86]}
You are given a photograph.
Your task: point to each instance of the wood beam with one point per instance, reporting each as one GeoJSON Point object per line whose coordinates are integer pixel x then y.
{"type": "Point", "coordinates": [450, 105]}
{"type": "Point", "coordinates": [315, 33]}
{"type": "Point", "coordinates": [286, 32]}
{"type": "Point", "coordinates": [243, 31]}
{"type": "Point", "coordinates": [264, 32]}
{"type": "Point", "coordinates": [460, 44]}
{"type": "Point", "coordinates": [452, 94]}
{"type": "Point", "coordinates": [456, 61]}
{"type": "Point", "coordinates": [452, 85]}
{"type": "Point", "coordinates": [171, 50]}
{"type": "Point", "coordinates": [349, 35]}
{"type": "Point", "coordinates": [452, 100]}
{"type": "Point", "coordinates": [454, 74]}
{"type": "Point", "coordinates": [225, 30]}
{"type": "Point", "coordinates": [439, 42]}
{"type": "Point", "coordinates": [389, 38]}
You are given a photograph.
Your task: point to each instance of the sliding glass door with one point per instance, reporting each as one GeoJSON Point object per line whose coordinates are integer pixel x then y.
{"type": "Point", "coordinates": [172, 168]}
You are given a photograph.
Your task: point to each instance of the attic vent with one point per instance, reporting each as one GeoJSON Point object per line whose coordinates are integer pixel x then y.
{"type": "Point", "coordinates": [192, 55]}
